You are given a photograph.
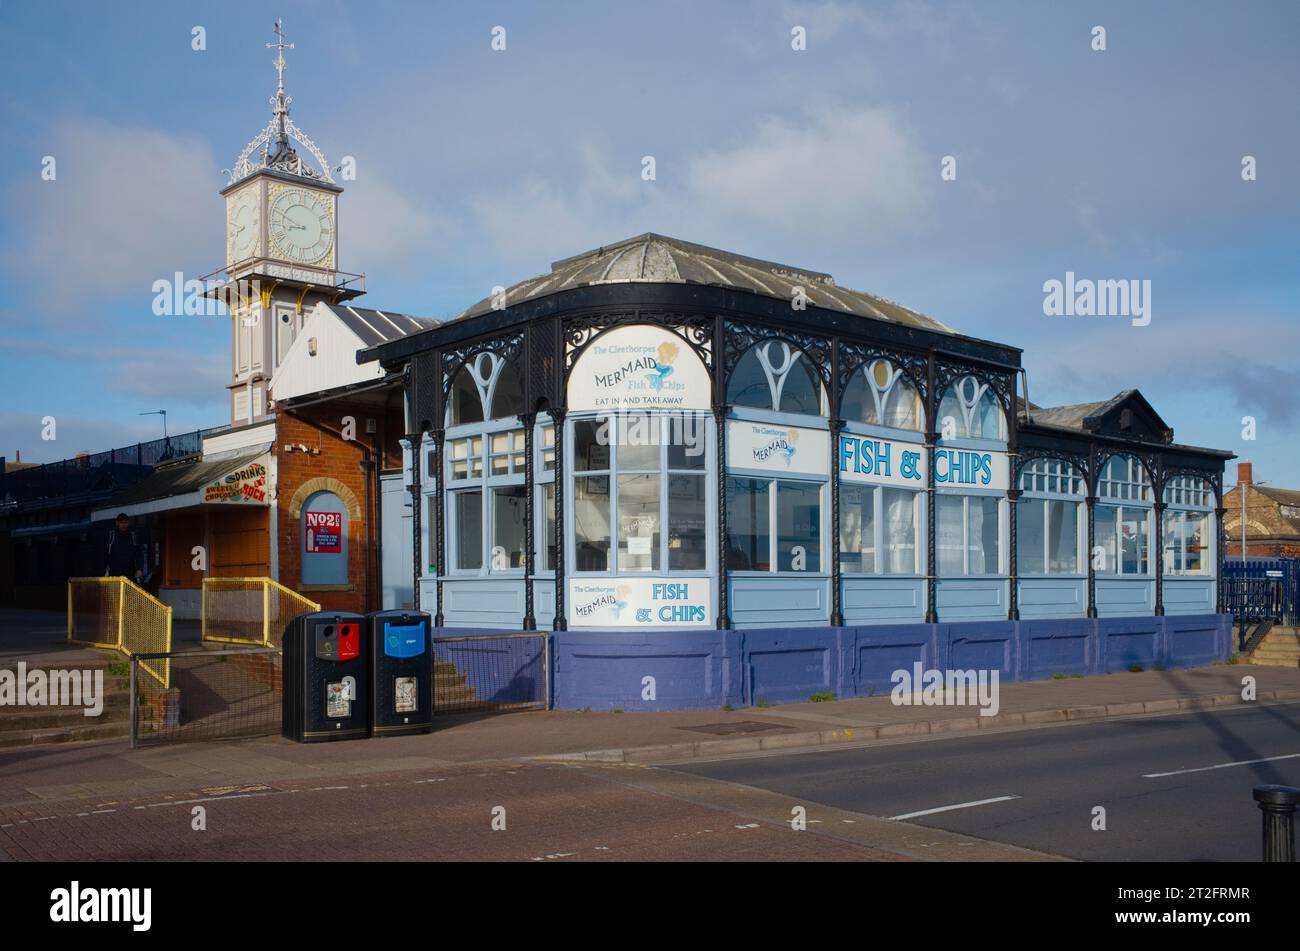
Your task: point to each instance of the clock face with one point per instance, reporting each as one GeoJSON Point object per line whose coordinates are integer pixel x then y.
{"type": "Point", "coordinates": [242, 226]}
{"type": "Point", "coordinates": [301, 226]}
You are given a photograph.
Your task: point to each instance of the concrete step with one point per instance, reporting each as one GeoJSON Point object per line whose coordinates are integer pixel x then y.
{"type": "Point", "coordinates": [99, 731]}
{"type": "Point", "coordinates": [48, 718]}
{"type": "Point", "coordinates": [452, 695]}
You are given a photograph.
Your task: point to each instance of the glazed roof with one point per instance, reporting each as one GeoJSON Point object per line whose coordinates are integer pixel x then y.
{"type": "Point", "coordinates": [376, 326]}
{"type": "Point", "coordinates": [654, 258]}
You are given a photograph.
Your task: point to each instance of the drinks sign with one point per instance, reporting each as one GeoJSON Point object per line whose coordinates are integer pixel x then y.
{"type": "Point", "coordinates": [324, 532]}
{"type": "Point", "coordinates": [638, 367]}
{"type": "Point", "coordinates": [245, 486]}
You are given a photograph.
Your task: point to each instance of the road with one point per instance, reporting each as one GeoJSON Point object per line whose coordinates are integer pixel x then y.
{"type": "Point", "coordinates": [528, 813]}
{"type": "Point", "coordinates": [1167, 785]}
{"type": "Point", "coordinates": [1174, 788]}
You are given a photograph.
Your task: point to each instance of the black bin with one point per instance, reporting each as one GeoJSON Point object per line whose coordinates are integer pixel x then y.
{"type": "Point", "coordinates": [326, 677]}
{"type": "Point", "coordinates": [401, 671]}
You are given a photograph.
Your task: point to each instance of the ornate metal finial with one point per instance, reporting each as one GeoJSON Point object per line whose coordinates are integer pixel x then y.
{"type": "Point", "coordinates": [272, 146]}
{"type": "Point", "coordinates": [279, 46]}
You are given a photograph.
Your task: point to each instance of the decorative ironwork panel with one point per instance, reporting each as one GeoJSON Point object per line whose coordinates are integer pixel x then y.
{"type": "Point", "coordinates": [543, 372]}
{"type": "Point", "coordinates": [741, 337]}
{"type": "Point", "coordinates": [1027, 454]}
{"type": "Point", "coordinates": [426, 395]}
{"type": "Point", "coordinates": [695, 330]}
{"type": "Point", "coordinates": [854, 356]}
{"type": "Point", "coordinates": [1002, 384]}
{"type": "Point", "coordinates": [508, 347]}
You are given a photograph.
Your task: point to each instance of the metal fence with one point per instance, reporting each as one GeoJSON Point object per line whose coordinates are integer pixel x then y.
{"type": "Point", "coordinates": [487, 672]}
{"type": "Point", "coordinates": [1260, 589]}
{"type": "Point", "coordinates": [214, 695]}
{"type": "Point", "coordinates": [252, 611]}
{"type": "Point", "coordinates": [95, 473]}
{"type": "Point", "coordinates": [113, 613]}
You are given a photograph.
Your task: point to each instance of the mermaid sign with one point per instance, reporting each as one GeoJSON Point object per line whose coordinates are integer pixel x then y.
{"type": "Point", "coordinates": [638, 367]}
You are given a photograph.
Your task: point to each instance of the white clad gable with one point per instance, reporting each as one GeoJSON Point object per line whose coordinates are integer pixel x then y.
{"type": "Point", "coordinates": [323, 357]}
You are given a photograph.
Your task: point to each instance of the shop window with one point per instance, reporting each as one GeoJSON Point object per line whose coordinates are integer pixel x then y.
{"type": "Point", "coordinates": [879, 526]}
{"type": "Point", "coordinates": [880, 395]}
{"type": "Point", "coordinates": [774, 525]}
{"type": "Point", "coordinates": [640, 502]}
{"type": "Point", "coordinates": [777, 377]}
{"type": "Point", "coordinates": [970, 409]}
{"type": "Point", "coordinates": [968, 534]}
{"type": "Point", "coordinates": [1050, 518]}
{"type": "Point", "coordinates": [1122, 518]}
{"type": "Point", "coordinates": [1187, 529]}
{"type": "Point", "coordinates": [464, 403]}
{"type": "Point", "coordinates": [544, 477]}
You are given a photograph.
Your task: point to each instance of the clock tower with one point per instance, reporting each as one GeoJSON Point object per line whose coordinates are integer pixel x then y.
{"type": "Point", "coordinates": [281, 249]}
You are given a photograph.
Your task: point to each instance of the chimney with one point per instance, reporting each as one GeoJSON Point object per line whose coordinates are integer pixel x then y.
{"type": "Point", "coordinates": [1244, 474]}
{"type": "Point", "coordinates": [18, 455]}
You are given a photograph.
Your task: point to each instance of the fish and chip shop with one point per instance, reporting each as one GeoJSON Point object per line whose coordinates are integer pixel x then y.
{"type": "Point", "coordinates": [689, 481]}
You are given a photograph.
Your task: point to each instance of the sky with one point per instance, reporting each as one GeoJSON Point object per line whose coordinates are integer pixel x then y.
{"type": "Point", "coordinates": [478, 167]}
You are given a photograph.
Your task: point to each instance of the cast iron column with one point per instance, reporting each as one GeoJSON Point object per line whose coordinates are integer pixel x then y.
{"type": "Point", "coordinates": [561, 622]}
{"type": "Point", "coordinates": [1091, 502]}
{"type": "Point", "coordinates": [931, 437]}
{"type": "Point", "coordinates": [1093, 478]}
{"type": "Point", "coordinates": [837, 614]}
{"type": "Point", "coordinates": [529, 420]}
{"type": "Point", "coordinates": [417, 549]}
{"type": "Point", "coordinates": [1013, 558]}
{"type": "Point", "coordinates": [1158, 508]}
{"type": "Point", "coordinates": [724, 603]}
{"type": "Point", "coordinates": [1221, 543]}
{"type": "Point", "coordinates": [439, 519]}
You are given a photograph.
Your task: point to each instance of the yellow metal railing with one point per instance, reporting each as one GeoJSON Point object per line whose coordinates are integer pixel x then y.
{"type": "Point", "coordinates": [115, 614]}
{"type": "Point", "coordinates": [249, 610]}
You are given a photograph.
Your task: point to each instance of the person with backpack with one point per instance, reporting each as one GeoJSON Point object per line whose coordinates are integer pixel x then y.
{"type": "Point", "coordinates": [124, 553]}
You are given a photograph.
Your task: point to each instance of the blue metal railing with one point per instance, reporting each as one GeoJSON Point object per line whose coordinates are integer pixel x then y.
{"type": "Point", "coordinates": [1262, 589]}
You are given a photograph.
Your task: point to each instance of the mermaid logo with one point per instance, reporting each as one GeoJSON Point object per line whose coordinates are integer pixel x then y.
{"type": "Point", "coordinates": [663, 368]}
{"type": "Point", "coordinates": [620, 599]}
{"type": "Point", "coordinates": [782, 446]}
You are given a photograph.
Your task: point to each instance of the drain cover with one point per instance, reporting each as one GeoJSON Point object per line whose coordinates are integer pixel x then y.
{"type": "Point", "coordinates": [739, 726]}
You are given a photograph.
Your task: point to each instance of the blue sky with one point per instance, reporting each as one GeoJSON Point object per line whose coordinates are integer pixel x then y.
{"type": "Point", "coordinates": [477, 168]}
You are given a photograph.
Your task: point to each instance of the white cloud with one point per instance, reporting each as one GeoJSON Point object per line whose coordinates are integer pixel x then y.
{"type": "Point", "coordinates": [128, 206]}
{"type": "Point", "coordinates": [836, 172]}
{"type": "Point", "coordinates": [852, 171]}
{"type": "Point", "coordinates": [381, 225]}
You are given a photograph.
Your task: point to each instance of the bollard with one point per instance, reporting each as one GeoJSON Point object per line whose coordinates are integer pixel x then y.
{"type": "Point", "coordinates": [1279, 804]}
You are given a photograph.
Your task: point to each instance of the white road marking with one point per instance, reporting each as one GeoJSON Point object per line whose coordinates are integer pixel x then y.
{"type": "Point", "coordinates": [1203, 769]}
{"type": "Point", "coordinates": [960, 805]}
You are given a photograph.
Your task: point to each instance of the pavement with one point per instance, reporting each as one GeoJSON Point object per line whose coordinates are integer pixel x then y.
{"type": "Point", "coordinates": [570, 753]}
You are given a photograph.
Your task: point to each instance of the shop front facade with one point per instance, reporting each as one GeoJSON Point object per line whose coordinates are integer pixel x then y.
{"type": "Point", "coordinates": [735, 481]}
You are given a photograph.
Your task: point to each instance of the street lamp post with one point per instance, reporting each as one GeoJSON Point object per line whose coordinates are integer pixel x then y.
{"type": "Point", "coordinates": [157, 412]}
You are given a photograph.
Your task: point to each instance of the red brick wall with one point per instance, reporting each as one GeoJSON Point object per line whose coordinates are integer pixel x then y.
{"type": "Point", "coordinates": [320, 428]}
